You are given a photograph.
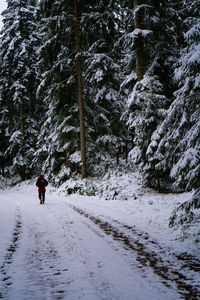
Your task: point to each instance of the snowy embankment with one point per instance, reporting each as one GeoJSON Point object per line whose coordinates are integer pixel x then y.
{"type": "Point", "coordinates": [87, 247]}
{"type": "Point", "coordinates": [122, 197]}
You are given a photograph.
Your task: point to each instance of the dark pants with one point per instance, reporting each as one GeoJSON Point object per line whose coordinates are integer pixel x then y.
{"type": "Point", "coordinates": [42, 196]}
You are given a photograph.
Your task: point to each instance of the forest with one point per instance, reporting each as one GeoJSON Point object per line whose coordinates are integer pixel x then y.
{"type": "Point", "coordinates": [90, 85]}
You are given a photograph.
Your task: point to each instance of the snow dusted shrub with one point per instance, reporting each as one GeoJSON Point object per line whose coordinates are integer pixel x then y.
{"type": "Point", "coordinates": [115, 185]}
{"type": "Point", "coordinates": [188, 214]}
{"type": "Point", "coordinates": [5, 182]}
{"type": "Point", "coordinates": [86, 187]}
{"type": "Point", "coordinates": [62, 176]}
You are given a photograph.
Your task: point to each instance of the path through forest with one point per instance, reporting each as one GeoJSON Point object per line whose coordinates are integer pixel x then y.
{"type": "Point", "coordinates": [61, 251]}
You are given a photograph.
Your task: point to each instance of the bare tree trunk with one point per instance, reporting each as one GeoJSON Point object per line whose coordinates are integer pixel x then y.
{"type": "Point", "coordinates": [2, 166]}
{"type": "Point", "coordinates": [158, 180]}
{"type": "Point", "coordinates": [23, 172]}
{"type": "Point", "coordinates": [21, 109]}
{"type": "Point", "coordinates": [23, 167]}
{"type": "Point", "coordinates": [68, 162]}
{"type": "Point", "coordinates": [22, 118]}
{"type": "Point", "coordinates": [126, 151]}
{"type": "Point", "coordinates": [140, 54]}
{"type": "Point", "coordinates": [179, 23]}
{"type": "Point", "coordinates": [117, 158]}
{"type": "Point", "coordinates": [80, 93]}
{"type": "Point", "coordinates": [2, 163]}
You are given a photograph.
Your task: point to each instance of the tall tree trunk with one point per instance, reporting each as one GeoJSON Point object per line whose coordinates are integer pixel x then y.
{"type": "Point", "coordinates": [117, 158]}
{"type": "Point", "coordinates": [158, 180]}
{"type": "Point", "coordinates": [68, 162]}
{"type": "Point", "coordinates": [126, 151]}
{"type": "Point", "coordinates": [21, 106]}
{"type": "Point", "coordinates": [23, 167]}
{"type": "Point", "coordinates": [80, 92]}
{"type": "Point", "coordinates": [2, 166]}
{"type": "Point", "coordinates": [139, 45]}
{"type": "Point", "coordinates": [2, 163]}
{"type": "Point", "coordinates": [179, 24]}
{"type": "Point", "coordinates": [22, 119]}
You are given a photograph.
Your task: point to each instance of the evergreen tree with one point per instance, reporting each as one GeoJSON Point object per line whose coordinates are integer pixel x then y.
{"type": "Point", "coordinates": [152, 41]}
{"type": "Point", "coordinates": [100, 87]}
{"type": "Point", "coordinates": [178, 145]}
{"type": "Point", "coordinates": [18, 81]}
{"type": "Point", "coordinates": [100, 25]}
{"type": "Point", "coordinates": [58, 143]}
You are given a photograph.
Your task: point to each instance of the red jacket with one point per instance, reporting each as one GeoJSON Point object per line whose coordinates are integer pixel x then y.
{"type": "Point", "coordinates": [41, 183]}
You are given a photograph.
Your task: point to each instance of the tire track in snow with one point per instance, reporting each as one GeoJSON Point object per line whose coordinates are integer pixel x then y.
{"type": "Point", "coordinates": [93, 273]}
{"type": "Point", "coordinates": [146, 257]}
{"type": "Point", "coordinates": [42, 265]}
{"type": "Point", "coordinates": [7, 279]}
{"type": "Point", "coordinates": [100, 286]}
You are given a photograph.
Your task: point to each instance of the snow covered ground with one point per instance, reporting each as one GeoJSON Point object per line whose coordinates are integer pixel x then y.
{"type": "Point", "coordinates": [81, 247]}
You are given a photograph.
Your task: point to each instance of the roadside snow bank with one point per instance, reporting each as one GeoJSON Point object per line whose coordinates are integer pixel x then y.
{"type": "Point", "coordinates": [121, 197]}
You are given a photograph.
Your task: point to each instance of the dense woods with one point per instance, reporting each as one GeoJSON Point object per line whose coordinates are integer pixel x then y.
{"type": "Point", "coordinates": [86, 86]}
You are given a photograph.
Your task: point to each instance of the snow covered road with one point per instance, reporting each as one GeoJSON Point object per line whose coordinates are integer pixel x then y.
{"type": "Point", "coordinates": [61, 250]}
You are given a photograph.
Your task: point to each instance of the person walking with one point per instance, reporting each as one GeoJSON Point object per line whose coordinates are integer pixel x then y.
{"type": "Point", "coordinates": [41, 184]}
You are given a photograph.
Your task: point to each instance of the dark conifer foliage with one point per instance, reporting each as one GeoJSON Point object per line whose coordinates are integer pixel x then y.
{"type": "Point", "coordinates": [154, 46]}
{"type": "Point", "coordinates": [59, 135]}
{"type": "Point", "coordinates": [18, 81]}
{"type": "Point", "coordinates": [98, 31]}
{"type": "Point", "coordinates": [80, 88]}
{"type": "Point", "coordinates": [139, 66]}
{"type": "Point", "coordinates": [100, 25]}
{"type": "Point", "coordinates": [178, 137]}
